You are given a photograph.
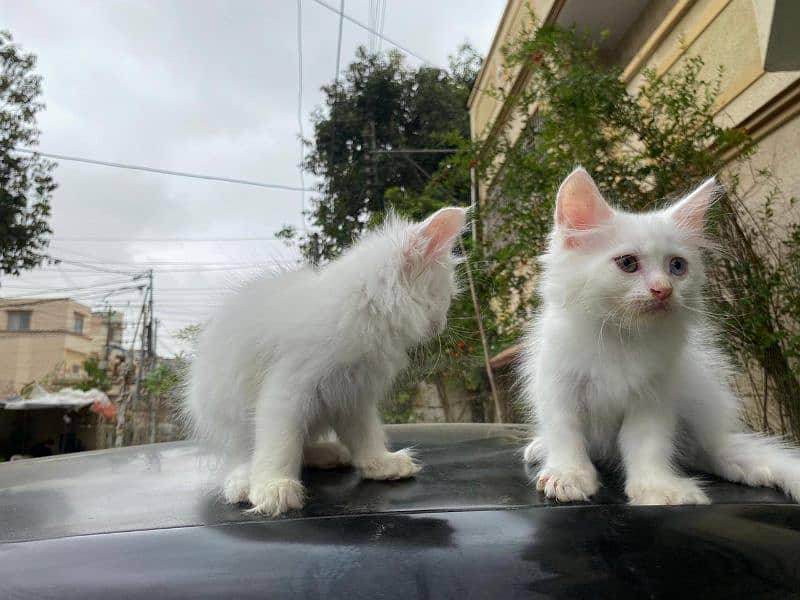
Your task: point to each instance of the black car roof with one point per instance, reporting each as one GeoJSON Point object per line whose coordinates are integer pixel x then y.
{"type": "Point", "coordinates": [468, 467]}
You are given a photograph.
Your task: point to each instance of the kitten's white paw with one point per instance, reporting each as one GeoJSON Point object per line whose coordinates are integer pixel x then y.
{"type": "Point", "coordinates": [275, 496]}
{"type": "Point", "coordinates": [666, 491]}
{"type": "Point", "coordinates": [237, 486]}
{"type": "Point", "coordinates": [326, 455]}
{"type": "Point", "coordinates": [568, 485]}
{"type": "Point", "coordinates": [391, 465]}
{"type": "Point", "coordinates": [747, 473]}
{"type": "Point", "coordinates": [534, 452]}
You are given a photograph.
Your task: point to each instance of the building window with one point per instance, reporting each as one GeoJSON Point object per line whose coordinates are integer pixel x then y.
{"type": "Point", "coordinates": [76, 370]}
{"type": "Point", "coordinates": [78, 326]}
{"type": "Point", "coordinates": [19, 320]}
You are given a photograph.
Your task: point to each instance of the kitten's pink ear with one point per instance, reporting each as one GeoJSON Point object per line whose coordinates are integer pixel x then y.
{"type": "Point", "coordinates": [441, 229]}
{"type": "Point", "coordinates": [690, 213]}
{"type": "Point", "coordinates": [579, 205]}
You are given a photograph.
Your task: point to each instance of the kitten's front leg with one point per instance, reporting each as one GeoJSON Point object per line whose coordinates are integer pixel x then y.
{"type": "Point", "coordinates": [568, 473]}
{"type": "Point", "coordinates": [646, 441]}
{"type": "Point", "coordinates": [362, 432]}
{"type": "Point", "coordinates": [275, 466]}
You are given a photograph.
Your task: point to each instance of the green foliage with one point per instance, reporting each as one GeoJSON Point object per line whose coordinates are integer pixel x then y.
{"type": "Point", "coordinates": [96, 377]}
{"type": "Point", "coordinates": [26, 184]}
{"type": "Point", "coordinates": [641, 148]}
{"type": "Point", "coordinates": [381, 104]}
{"type": "Point", "coordinates": [189, 333]}
{"type": "Point", "coordinates": [162, 381]}
{"type": "Point", "coordinates": [399, 408]}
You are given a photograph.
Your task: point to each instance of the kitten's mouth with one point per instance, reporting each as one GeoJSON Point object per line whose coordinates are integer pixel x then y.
{"type": "Point", "coordinates": [655, 307]}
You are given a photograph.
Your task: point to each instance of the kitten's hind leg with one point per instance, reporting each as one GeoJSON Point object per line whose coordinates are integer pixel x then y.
{"type": "Point", "coordinates": [362, 432]}
{"type": "Point", "coordinates": [755, 460]}
{"type": "Point", "coordinates": [279, 435]}
{"type": "Point", "coordinates": [329, 454]}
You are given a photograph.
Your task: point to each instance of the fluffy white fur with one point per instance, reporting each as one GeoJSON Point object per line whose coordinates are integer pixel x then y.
{"type": "Point", "coordinates": [621, 366]}
{"type": "Point", "coordinates": [297, 355]}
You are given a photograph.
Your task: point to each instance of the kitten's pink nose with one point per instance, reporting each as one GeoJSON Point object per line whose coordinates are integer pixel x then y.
{"type": "Point", "coordinates": [662, 291]}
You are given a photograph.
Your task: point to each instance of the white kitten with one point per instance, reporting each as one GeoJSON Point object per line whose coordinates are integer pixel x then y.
{"type": "Point", "coordinates": [294, 356]}
{"type": "Point", "coordinates": [619, 363]}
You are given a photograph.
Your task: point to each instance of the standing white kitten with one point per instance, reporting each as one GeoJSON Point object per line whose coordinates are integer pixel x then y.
{"type": "Point", "coordinates": [619, 363]}
{"type": "Point", "coordinates": [294, 356]}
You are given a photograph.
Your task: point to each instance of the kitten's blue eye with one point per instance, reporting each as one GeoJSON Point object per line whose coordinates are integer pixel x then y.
{"type": "Point", "coordinates": [677, 266]}
{"type": "Point", "coordinates": [628, 263]}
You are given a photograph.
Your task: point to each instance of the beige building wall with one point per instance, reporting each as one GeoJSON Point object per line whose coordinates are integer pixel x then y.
{"type": "Point", "coordinates": [52, 345]}
{"type": "Point", "coordinates": [659, 35]}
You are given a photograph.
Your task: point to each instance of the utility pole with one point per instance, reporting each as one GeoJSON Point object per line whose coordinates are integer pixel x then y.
{"type": "Point", "coordinates": [142, 345]}
{"type": "Point", "coordinates": [151, 362]}
{"type": "Point", "coordinates": [150, 331]}
{"type": "Point", "coordinates": [108, 337]}
{"type": "Point", "coordinates": [125, 395]}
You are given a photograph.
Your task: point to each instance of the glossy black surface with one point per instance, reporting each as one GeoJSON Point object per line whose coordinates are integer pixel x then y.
{"type": "Point", "coordinates": [611, 551]}
{"type": "Point", "coordinates": [141, 522]}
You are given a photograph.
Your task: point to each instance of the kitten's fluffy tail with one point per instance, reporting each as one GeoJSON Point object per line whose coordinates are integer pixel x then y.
{"type": "Point", "coordinates": [759, 460]}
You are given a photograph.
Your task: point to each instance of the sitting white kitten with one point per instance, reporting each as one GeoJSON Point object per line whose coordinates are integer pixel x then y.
{"type": "Point", "coordinates": [619, 363]}
{"type": "Point", "coordinates": [294, 356]}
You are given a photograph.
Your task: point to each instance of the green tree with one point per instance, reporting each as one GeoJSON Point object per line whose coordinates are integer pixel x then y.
{"type": "Point", "coordinates": [26, 184]}
{"type": "Point", "coordinates": [382, 104]}
{"type": "Point", "coordinates": [96, 377]}
{"type": "Point", "coordinates": [162, 381]}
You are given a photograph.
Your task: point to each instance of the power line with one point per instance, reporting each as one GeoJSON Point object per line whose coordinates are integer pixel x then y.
{"type": "Point", "coordinates": [300, 111]}
{"type": "Point", "coordinates": [92, 267]}
{"type": "Point", "coordinates": [39, 291]}
{"type": "Point", "coordinates": [381, 23]}
{"type": "Point", "coordinates": [92, 261]}
{"type": "Point", "coordinates": [22, 304]}
{"type": "Point", "coordinates": [371, 21]}
{"type": "Point", "coordinates": [181, 240]}
{"type": "Point", "coordinates": [216, 269]}
{"type": "Point", "coordinates": [381, 36]}
{"type": "Point", "coordinates": [338, 63]}
{"type": "Point", "coordinates": [146, 264]}
{"type": "Point", "coordinates": [339, 42]}
{"type": "Point", "coordinates": [105, 163]}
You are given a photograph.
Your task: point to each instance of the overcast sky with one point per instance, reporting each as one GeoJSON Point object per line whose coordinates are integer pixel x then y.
{"type": "Point", "coordinates": [198, 86]}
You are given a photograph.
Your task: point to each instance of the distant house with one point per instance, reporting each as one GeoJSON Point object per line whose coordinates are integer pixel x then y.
{"type": "Point", "coordinates": [51, 336]}
{"type": "Point", "coordinates": [47, 340]}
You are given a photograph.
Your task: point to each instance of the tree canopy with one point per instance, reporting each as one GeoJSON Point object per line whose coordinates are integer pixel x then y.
{"type": "Point", "coordinates": [381, 104]}
{"type": "Point", "coordinates": [26, 183]}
